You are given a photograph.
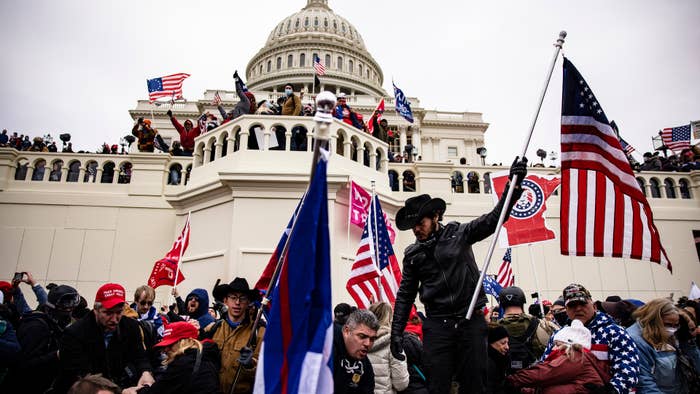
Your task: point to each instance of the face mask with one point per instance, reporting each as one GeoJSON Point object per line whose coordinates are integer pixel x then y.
{"type": "Point", "coordinates": [288, 92]}
{"type": "Point", "coordinates": [671, 330]}
{"type": "Point", "coordinates": [561, 318]}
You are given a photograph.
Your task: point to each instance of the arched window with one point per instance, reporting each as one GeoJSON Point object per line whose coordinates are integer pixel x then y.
{"type": "Point", "coordinates": [409, 181]}
{"type": "Point", "coordinates": [306, 22]}
{"type": "Point", "coordinates": [261, 69]}
{"type": "Point", "coordinates": [290, 61]}
{"type": "Point", "coordinates": [335, 25]}
{"type": "Point", "coordinates": [73, 171]}
{"type": "Point", "coordinates": [359, 67]}
{"type": "Point", "coordinates": [328, 61]}
{"type": "Point", "coordinates": [340, 144]}
{"type": "Point", "coordinates": [394, 180]}
{"type": "Point", "coordinates": [457, 182]}
{"type": "Point", "coordinates": [107, 173]}
{"type": "Point", "coordinates": [302, 60]}
{"type": "Point", "coordinates": [90, 172]}
{"type": "Point", "coordinates": [487, 183]}
{"type": "Point", "coordinates": [174, 174]}
{"type": "Point", "coordinates": [473, 182]}
{"type": "Point", "coordinates": [655, 189]}
{"type": "Point", "coordinates": [269, 65]}
{"type": "Point", "coordinates": [56, 168]}
{"type": "Point", "coordinates": [325, 23]}
{"type": "Point", "coordinates": [289, 24]}
{"type": "Point", "coordinates": [342, 27]}
{"type": "Point", "coordinates": [684, 187]}
{"type": "Point", "coordinates": [187, 174]}
{"type": "Point", "coordinates": [351, 68]}
{"type": "Point", "coordinates": [642, 185]}
{"type": "Point", "coordinates": [367, 73]}
{"type": "Point", "coordinates": [670, 188]}
{"type": "Point", "coordinates": [125, 172]}
{"type": "Point", "coordinates": [296, 24]}
{"type": "Point", "coordinates": [39, 168]}
{"type": "Point", "coordinates": [279, 62]}
{"type": "Point", "coordinates": [316, 22]}
{"type": "Point", "coordinates": [21, 171]}
{"type": "Point", "coordinates": [340, 63]}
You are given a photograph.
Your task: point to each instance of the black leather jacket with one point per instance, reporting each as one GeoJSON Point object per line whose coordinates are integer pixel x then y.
{"type": "Point", "coordinates": [442, 269]}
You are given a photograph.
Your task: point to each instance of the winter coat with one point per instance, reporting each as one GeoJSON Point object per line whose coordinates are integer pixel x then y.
{"type": "Point", "coordinates": [611, 342]}
{"type": "Point", "coordinates": [413, 347]}
{"type": "Point", "coordinates": [202, 313]}
{"type": "Point", "coordinates": [443, 269]}
{"type": "Point", "coordinates": [560, 375]}
{"type": "Point", "coordinates": [242, 107]}
{"type": "Point", "coordinates": [350, 376]}
{"type": "Point", "coordinates": [390, 374]}
{"type": "Point", "coordinates": [82, 351]}
{"type": "Point", "coordinates": [517, 325]}
{"type": "Point", "coordinates": [186, 137]}
{"type": "Point", "coordinates": [145, 136]}
{"type": "Point", "coordinates": [292, 106]}
{"type": "Point", "coordinates": [230, 341]}
{"type": "Point", "coordinates": [9, 347]}
{"type": "Point", "coordinates": [347, 115]}
{"type": "Point", "coordinates": [657, 369]}
{"type": "Point", "coordinates": [180, 378]}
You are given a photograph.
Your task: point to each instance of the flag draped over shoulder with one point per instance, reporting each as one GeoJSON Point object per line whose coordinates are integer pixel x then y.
{"type": "Point", "coordinates": [526, 223]}
{"type": "Point", "coordinates": [296, 351]}
{"type": "Point", "coordinates": [403, 107]}
{"type": "Point", "coordinates": [603, 210]}
{"type": "Point", "coordinates": [166, 269]}
{"type": "Point", "coordinates": [505, 276]}
{"type": "Point", "coordinates": [375, 274]}
{"type": "Point", "coordinates": [167, 86]}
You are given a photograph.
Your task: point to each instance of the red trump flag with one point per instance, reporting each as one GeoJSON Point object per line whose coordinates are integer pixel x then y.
{"type": "Point", "coordinates": [166, 271]}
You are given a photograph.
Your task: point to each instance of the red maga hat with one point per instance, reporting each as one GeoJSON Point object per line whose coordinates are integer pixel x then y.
{"type": "Point", "coordinates": [173, 332]}
{"type": "Point", "coordinates": [110, 295]}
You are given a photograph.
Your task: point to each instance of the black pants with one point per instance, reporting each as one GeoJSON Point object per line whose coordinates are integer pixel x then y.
{"type": "Point", "coordinates": [456, 348]}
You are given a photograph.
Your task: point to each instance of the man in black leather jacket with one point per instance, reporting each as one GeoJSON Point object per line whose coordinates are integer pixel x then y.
{"type": "Point", "coordinates": [440, 265]}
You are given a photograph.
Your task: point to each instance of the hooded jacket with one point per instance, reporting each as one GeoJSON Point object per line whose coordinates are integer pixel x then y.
{"type": "Point", "coordinates": [186, 137]}
{"type": "Point", "coordinates": [202, 313]}
{"type": "Point", "coordinates": [390, 374]}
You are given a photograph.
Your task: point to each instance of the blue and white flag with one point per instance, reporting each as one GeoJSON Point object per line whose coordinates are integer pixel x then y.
{"type": "Point", "coordinates": [491, 286]}
{"type": "Point", "coordinates": [403, 107]}
{"type": "Point", "coordinates": [295, 356]}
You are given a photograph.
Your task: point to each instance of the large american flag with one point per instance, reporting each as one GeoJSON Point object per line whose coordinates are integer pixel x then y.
{"type": "Point", "coordinates": [676, 138]}
{"type": "Point", "coordinates": [505, 276]}
{"type": "Point", "coordinates": [167, 86]}
{"type": "Point", "coordinates": [318, 66]}
{"type": "Point", "coordinates": [603, 209]}
{"type": "Point", "coordinates": [371, 281]}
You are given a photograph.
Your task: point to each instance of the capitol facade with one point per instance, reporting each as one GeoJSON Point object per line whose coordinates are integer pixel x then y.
{"type": "Point", "coordinates": [88, 219]}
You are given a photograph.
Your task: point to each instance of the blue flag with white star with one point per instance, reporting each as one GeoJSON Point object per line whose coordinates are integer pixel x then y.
{"type": "Point", "coordinates": [491, 286]}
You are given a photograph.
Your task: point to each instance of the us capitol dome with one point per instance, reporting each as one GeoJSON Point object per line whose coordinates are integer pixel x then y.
{"type": "Point", "coordinates": [288, 55]}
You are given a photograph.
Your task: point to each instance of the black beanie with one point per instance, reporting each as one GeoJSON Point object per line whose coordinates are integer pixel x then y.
{"type": "Point", "coordinates": [497, 333]}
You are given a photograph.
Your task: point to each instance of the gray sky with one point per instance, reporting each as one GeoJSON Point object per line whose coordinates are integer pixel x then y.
{"type": "Point", "coordinates": [79, 66]}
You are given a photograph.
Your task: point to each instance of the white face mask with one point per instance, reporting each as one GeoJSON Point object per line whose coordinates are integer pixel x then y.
{"type": "Point", "coordinates": [671, 330]}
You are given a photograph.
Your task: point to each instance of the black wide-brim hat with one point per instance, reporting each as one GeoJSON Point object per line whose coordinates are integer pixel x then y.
{"type": "Point", "coordinates": [416, 208]}
{"type": "Point", "coordinates": [238, 285]}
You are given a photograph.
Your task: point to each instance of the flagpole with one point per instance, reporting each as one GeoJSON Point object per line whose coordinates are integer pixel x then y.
{"type": "Point", "coordinates": [537, 282]}
{"type": "Point", "coordinates": [558, 45]}
{"type": "Point", "coordinates": [325, 102]}
{"type": "Point", "coordinates": [179, 260]}
{"type": "Point", "coordinates": [375, 239]}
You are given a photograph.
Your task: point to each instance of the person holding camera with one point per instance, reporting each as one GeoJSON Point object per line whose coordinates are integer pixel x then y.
{"type": "Point", "coordinates": [441, 266]}
{"type": "Point", "coordinates": [145, 134]}
{"type": "Point", "coordinates": [16, 297]}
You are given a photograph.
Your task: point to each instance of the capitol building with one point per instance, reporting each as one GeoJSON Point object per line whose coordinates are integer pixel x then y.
{"type": "Point", "coordinates": [87, 219]}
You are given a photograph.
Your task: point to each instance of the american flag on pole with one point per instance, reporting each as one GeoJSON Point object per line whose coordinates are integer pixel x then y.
{"type": "Point", "coordinates": [627, 148]}
{"type": "Point", "coordinates": [371, 280]}
{"type": "Point", "coordinates": [676, 138]}
{"type": "Point", "coordinates": [217, 98]}
{"type": "Point", "coordinates": [167, 86]}
{"type": "Point", "coordinates": [603, 209]}
{"type": "Point", "coordinates": [505, 276]}
{"type": "Point", "coordinates": [318, 66]}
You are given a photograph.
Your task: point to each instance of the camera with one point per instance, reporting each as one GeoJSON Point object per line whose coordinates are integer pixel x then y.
{"type": "Point", "coordinates": [535, 295]}
{"type": "Point", "coordinates": [18, 276]}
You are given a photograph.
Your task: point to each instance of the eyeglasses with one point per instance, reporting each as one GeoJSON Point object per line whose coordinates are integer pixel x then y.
{"type": "Point", "coordinates": [240, 299]}
{"type": "Point", "coordinates": [146, 302]}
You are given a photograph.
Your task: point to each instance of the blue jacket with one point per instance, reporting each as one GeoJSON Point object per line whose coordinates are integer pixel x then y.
{"type": "Point", "coordinates": [610, 342]}
{"type": "Point", "coordinates": [657, 369]}
{"type": "Point", "coordinates": [202, 313]}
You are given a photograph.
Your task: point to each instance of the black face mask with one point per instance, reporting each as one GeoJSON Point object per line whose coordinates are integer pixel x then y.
{"type": "Point", "coordinates": [561, 318]}
{"type": "Point", "coordinates": [62, 318]}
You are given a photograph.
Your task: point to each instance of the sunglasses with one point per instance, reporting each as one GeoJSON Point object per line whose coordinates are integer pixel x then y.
{"type": "Point", "coordinates": [145, 302]}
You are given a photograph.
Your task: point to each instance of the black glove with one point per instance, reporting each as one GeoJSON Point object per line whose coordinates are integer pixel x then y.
{"type": "Point", "coordinates": [518, 168]}
{"type": "Point", "coordinates": [169, 113]}
{"type": "Point", "coordinates": [397, 348]}
{"type": "Point", "coordinates": [595, 389]}
{"type": "Point", "coordinates": [246, 358]}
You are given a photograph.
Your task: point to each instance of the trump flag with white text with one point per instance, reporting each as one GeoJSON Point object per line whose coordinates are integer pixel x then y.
{"type": "Point", "coordinates": [526, 224]}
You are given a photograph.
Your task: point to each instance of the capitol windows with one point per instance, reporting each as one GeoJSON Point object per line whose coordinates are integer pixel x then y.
{"type": "Point", "coordinates": [670, 188]}
{"type": "Point", "coordinates": [269, 65]}
{"type": "Point", "coordinates": [359, 67]}
{"type": "Point", "coordinates": [642, 185]}
{"type": "Point", "coordinates": [279, 62]}
{"type": "Point", "coordinates": [394, 180]}
{"type": "Point", "coordinates": [296, 24]}
{"type": "Point", "coordinates": [451, 151]}
{"type": "Point", "coordinates": [684, 188]}
{"type": "Point", "coordinates": [487, 184]}
{"type": "Point", "coordinates": [90, 172]}
{"type": "Point", "coordinates": [73, 171]}
{"type": "Point", "coordinates": [342, 27]}
{"type": "Point", "coordinates": [261, 69]}
{"type": "Point", "coordinates": [409, 181]}
{"type": "Point", "coordinates": [125, 172]}
{"type": "Point", "coordinates": [335, 25]}
{"type": "Point", "coordinates": [325, 23]}
{"type": "Point", "coordinates": [56, 169]}
{"type": "Point", "coordinates": [655, 188]}
{"type": "Point", "coordinates": [302, 60]}
{"type": "Point", "coordinates": [473, 182]}
{"type": "Point", "coordinates": [39, 169]}
{"type": "Point", "coordinates": [340, 63]}
{"type": "Point", "coordinates": [351, 68]}
{"type": "Point", "coordinates": [315, 22]}
{"type": "Point", "coordinates": [107, 172]}
{"type": "Point", "coordinates": [328, 61]}
{"type": "Point", "coordinates": [457, 182]}
{"type": "Point", "coordinates": [367, 73]}
{"type": "Point", "coordinates": [21, 170]}
{"type": "Point", "coordinates": [306, 22]}
{"type": "Point", "coordinates": [290, 61]}
{"type": "Point", "coordinates": [174, 174]}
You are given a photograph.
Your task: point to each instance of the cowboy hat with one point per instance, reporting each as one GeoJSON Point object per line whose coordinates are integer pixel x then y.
{"type": "Point", "coordinates": [416, 208]}
{"type": "Point", "coordinates": [238, 285]}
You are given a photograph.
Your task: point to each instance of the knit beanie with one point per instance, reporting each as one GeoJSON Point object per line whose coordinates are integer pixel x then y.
{"type": "Point", "coordinates": [576, 333]}
{"type": "Point", "coordinates": [497, 333]}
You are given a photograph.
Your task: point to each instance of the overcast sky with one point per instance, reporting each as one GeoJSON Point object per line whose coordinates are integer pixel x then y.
{"type": "Point", "coordinates": [79, 66]}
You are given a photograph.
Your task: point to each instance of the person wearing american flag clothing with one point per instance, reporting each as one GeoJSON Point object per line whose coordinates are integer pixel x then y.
{"type": "Point", "coordinates": [610, 342]}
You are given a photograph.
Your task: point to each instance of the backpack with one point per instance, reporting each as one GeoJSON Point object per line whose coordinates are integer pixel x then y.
{"type": "Point", "coordinates": [521, 355]}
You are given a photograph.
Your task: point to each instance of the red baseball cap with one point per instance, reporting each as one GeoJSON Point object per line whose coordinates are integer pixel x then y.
{"type": "Point", "coordinates": [178, 330]}
{"type": "Point", "coordinates": [110, 295]}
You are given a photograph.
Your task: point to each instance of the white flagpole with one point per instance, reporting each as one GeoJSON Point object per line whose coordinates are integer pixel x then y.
{"type": "Point", "coordinates": [537, 283]}
{"type": "Point", "coordinates": [506, 203]}
{"type": "Point", "coordinates": [179, 260]}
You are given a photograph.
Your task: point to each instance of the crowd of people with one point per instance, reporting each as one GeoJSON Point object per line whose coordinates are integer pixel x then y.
{"type": "Point", "coordinates": [688, 160]}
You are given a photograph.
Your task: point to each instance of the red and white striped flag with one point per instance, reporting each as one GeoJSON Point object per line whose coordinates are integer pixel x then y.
{"type": "Point", "coordinates": [375, 275]}
{"type": "Point", "coordinates": [167, 86]}
{"type": "Point", "coordinates": [603, 210]}
{"type": "Point", "coordinates": [217, 98]}
{"type": "Point", "coordinates": [505, 276]}
{"type": "Point", "coordinates": [676, 138]}
{"type": "Point", "coordinates": [318, 66]}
